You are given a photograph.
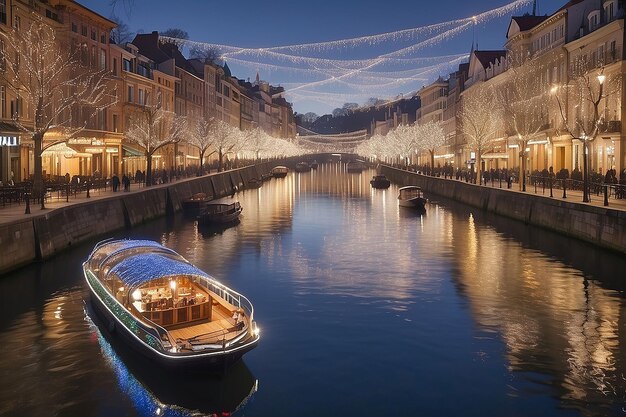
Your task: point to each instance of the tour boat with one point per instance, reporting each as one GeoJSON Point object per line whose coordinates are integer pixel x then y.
{"type": "Point", "coordinates": [195, 204]}
{"type": "Point", "coordinates": [280, 171]}
{"type": "Point", "coordinates": [380, 181]}
{"type": "Point", "coordinates": [220, 213]}
{"type": "Point", "coordinates": [167, 308]}
{"type": "Point", "coordinates": [303, 167]}
{"type": "Point", "coordinates": [411, 196]}
{"type": "Point", "coordinates": [355, 166]}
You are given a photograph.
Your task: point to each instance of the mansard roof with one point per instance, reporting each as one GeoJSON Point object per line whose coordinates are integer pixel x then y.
{"type": "Point", "coordinates": [489, 57]}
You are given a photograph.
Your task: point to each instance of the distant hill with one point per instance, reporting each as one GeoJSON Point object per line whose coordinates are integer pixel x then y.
{"type": "Point", "coordinates": [360, 118]}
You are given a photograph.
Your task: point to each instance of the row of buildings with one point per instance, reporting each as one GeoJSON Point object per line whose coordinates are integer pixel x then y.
{"type": "Point", "coordinates": [556, 66]}
{"type": "Point", "coordinates": [141, 72]}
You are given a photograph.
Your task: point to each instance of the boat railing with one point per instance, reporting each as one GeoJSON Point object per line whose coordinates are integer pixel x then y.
{"type": "Point", "coordinates": [154, 330]}
{"type": "Point", "coordinates": [233, 297]}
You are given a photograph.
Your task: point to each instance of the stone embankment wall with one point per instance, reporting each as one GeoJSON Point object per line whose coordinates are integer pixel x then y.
{"type": "Point", "coordinates": [600, 226]}
{"type": "Point", "coordinates": [41, 237]}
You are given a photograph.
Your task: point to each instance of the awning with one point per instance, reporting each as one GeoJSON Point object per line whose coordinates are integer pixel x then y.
{"type": "Point", "coordinates": [60, 149]}
{"type": "Point", "coordinates": [130, 152]}
{"type": "Point", "coordinates": [7, 127]}
{"type": "Point", "coordinates": [493, 155]}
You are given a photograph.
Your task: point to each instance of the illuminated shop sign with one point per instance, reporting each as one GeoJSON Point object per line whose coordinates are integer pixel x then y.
{"type": "Point", "coordinates": [9, 140]}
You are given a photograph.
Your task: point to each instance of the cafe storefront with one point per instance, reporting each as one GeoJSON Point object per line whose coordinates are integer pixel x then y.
{"type": "Point", "coordinates": [13, 155]}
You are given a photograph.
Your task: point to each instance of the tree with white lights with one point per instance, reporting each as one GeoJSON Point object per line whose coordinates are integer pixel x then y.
{"type": "Point", "coordinates": [64, 95]}
{"type": "Point", "coordinates": [227, 140]}
{"type": "Point", "coordinates": [152, 128]}
{"type": "Point", "coordinates": [430, 137]}
{"type": "Point", "coordinates": [201, 136]}
{"type": "Point", "coordinates": [591, 89]}
{"type": "Point", "coordinates": [404, 141]}
{"type": "Point", "coordinates": [524, 103]}
{"type": "Point", "coordinates": [479, 120]}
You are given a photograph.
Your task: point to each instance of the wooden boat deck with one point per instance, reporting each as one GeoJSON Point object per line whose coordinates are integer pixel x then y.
{"type": "Point", "coordinates": [222, 326]}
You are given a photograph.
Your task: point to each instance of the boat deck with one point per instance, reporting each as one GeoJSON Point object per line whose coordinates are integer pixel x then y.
{"type": "Point", "coordinates": [221, 327]}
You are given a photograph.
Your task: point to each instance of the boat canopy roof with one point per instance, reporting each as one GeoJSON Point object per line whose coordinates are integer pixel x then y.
{"type": "Point", "coordinates": [410, 187]}
{"type": "Point", "coordinates": [141, 268]}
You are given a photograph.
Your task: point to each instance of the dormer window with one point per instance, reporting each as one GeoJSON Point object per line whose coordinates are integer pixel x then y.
{"type": "Point", "coordinates": [610, 7]}
{"type": "Point", "coordinates": [594, 20]}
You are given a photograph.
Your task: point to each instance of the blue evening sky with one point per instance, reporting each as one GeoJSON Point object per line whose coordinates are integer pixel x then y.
{"type": "Point", "coordinates": [271, 23]}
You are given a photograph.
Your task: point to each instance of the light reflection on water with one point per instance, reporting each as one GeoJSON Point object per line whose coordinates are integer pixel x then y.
{"type": "Point", "coordinates": [365, 308]}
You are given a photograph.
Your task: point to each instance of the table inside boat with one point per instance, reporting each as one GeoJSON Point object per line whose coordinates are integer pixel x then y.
{"type": "Point", "coordinates": [163, 309]}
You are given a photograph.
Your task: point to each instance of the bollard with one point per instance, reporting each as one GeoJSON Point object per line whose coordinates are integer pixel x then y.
{"type": "Point", "coordinates": [564, 187]}
{"type": "Point", "coordinates": [87, 183]}
{"type": "Point", "coordinates": [67, 192]}
{"type": "Point", "coordinates": [606, 195]}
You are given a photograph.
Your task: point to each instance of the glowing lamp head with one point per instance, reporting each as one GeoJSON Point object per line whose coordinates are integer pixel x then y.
{"type": "Point", "coordinates": [173, 284]}
{"type": "Point", "coordinates": [601, 78]}
{"type": "Point", "coordinates": [136, 295]}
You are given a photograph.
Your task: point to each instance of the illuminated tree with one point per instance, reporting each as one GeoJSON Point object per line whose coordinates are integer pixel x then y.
{"type": "Point", "coordinates": [63, 94]}
{"type": "Point", "coordinates": [524, 104]}
{"type": "Point", "coordinates": [226, 140]}
{"type": "Point", "coordinates": [403, 140]}
{"type": "Point", "coordinates": [201, 136]}
{"type": "Point", "coordinates": [430, 137]}
{"type": "Point", "coordinates": [479, 121]}
{"type": "Point", "coordinates": [589, 89]}
{"type": "Point", "coordinates": [152, 128]}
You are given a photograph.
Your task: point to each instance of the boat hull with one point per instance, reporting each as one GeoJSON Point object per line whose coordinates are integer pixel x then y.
{"type": "Point", "coordinates": [116, 328]}
{"type": "Point", "coordinates": [380, 184]}
{"type": "Point", "coordinates": [220, 219]}
{"type": "Point", "coordinates": [418, 203]}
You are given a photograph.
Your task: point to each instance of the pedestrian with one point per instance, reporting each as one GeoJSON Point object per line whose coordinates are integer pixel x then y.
{"type": "Point", "coordinates": [126, 182]}
{"type": "Point", "coordinates": [115, 183]}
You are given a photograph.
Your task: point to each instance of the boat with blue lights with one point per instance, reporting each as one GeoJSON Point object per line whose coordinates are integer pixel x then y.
{"type": "Point", "coordinates": [167, 308]}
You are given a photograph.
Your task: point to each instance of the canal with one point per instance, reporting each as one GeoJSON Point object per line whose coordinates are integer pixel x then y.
{"type": "Point", "coordinates": [364, 308]}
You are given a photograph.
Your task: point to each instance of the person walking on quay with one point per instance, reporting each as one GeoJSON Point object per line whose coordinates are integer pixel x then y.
{"type": "Point", "coordinates": [126, 182]}
{"type": "Point", "coordinates": [115, 183]}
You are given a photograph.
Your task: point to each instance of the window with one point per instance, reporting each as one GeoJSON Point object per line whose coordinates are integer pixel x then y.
{"type": "Point", "coordinates": [93, 35]}
{"type": "Point", "coordinates": [103, 59]}
{"type": "Point", "coordinates": [83, 30]}
{"type": "Point", "coordinates": [3, 100]}
{"type": "Point", "coordinates": [226, 91]}
{"type": "Point", "coordinates": [17, 22]}
{"type": "Point", "coordinates": [609, 11]}
{"type": "Point", "coordinates": [51, 15]}
{"type": "Point", "coordinates": [115, 125]}
{"type": "Point", "coordinates": [3, 11]}
{"type": "Point", "coordinates": [74, 27]}
{"type": "Point", "coordinates": [131, 94]}
{"type": "Point", "coordinates": [126, 65]}
{"type": "Point", "coordinates": [114, 66]}
{"type": "Point", "coordinates": [594, 20]}
{"type": "Point", "coordinates": [142, 97]}
{"type": "Point", "coordinates": [103, 38]}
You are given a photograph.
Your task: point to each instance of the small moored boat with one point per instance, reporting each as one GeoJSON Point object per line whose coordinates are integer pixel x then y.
{"type": "Point", "coordinates": [280, 171]}
{"type": "Point", "coordinates": [355, 166]}
{"type": "Point", "coordinates": [411, 196]}
{"type": "Point", "coordinates": [165, 307]}
{"type": "Point", "coordinates": [314, 164]}
{"type": "Point", "coordinates": [195, 204]}
{"type": "Point", "coordinates": [220, 213]}
{"type": "Point", "coordinates": [303, 167]}
{"type": "Point", "coordinates": [380, 181]}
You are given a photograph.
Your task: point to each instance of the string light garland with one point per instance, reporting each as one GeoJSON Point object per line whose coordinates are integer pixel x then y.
{"type": "Point", "coordinates": [314, 72]}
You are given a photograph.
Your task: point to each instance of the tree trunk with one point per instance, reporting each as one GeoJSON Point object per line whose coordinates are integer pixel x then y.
{"type": "Point", "coordinates": [432, 162]}
{"type": "Point", "coordinates": [202, 161]}
{"type": "Point", "coordinates": [38, 173]}
{"type": "Point", "coordinates": [585, 172]}
{"type": "Point", "coordinates": [220, 162]}
{"type": "Point", "coordinates": [478, 164]}
{"type": "Point", "coordinates": [148, 170]}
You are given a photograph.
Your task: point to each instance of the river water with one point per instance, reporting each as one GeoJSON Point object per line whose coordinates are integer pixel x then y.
{"type": "Point", "coordinates": [365, 308]}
